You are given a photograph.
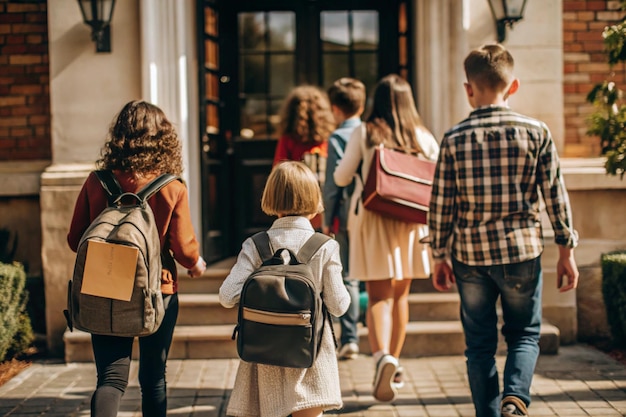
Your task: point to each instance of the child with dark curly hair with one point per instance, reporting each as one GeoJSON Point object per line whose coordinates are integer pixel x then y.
{"type": "Point", "coordinates": [141, 145]}
{"type": "Point", "coordinates": [306, 123]}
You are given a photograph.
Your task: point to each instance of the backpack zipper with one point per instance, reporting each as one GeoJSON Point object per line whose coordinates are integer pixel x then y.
{"type": "Point", "coordinates": [281, 319]}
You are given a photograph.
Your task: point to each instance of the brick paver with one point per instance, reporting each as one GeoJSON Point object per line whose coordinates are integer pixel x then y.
{"type": "Point", "coordinates": [579, 381]}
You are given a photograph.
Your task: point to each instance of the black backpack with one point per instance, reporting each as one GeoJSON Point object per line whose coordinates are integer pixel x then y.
{"type": "Point", "coordinates": [281, 313]}
{"type": "Point", "coordinates": [127, 224]}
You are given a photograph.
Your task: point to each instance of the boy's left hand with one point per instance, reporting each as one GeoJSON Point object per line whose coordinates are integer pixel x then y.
{"type": "Point", "coordinates": [443, 277]}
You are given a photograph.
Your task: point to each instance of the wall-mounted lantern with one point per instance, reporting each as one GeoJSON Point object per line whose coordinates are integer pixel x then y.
{"type": "Point", "coordinates": [505, 13]}
{"type": "Point", "coordinates": [97, 14]}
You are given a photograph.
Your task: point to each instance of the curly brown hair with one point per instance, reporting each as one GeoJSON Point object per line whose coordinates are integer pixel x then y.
{"type": "Point", "coordinates": [143, 141]}
{"type": "Point", "coordinates": [306, 115]}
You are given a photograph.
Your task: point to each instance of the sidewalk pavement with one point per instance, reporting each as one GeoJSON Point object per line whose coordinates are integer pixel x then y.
{"type": "Point", "coordinates": [579, 381]}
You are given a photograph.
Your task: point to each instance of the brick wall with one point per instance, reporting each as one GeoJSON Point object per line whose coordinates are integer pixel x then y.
{"type": "Point", "coordinates": [24, 81]}
{"type": "Point", "coordinates": [585, 65]}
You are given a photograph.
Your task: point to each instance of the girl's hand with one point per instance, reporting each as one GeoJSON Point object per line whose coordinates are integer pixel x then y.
{"type": "Point", "coordinates": [198, 269]}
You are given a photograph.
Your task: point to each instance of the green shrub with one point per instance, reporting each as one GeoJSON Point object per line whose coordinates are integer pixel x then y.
{"type": "Point", "coordinates": [614, 292]}
{"type": "Point", "coordinates": [16, 333]}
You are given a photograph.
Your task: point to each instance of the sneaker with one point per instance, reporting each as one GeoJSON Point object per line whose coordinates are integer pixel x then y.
{"type": "Point", "coordinates": [513, 407]}
{"type": "Point", "coordinates": [397, 377]}
{"type": "Point", "coordinates": [348, 351]}
{"type": "Point", "coordinates": [384, 389]}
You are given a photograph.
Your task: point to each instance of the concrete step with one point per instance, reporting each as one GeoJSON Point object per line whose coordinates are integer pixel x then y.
{"type": "Point", "coordinates": [429, 338]}
{"type": "Point", "coordinates": [200, 309]}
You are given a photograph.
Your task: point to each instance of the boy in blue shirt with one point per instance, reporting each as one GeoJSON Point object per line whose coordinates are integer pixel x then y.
{"type": "Point", "coordinates": [347, 100]}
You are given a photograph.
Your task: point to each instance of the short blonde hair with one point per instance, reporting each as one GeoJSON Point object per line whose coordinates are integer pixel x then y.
{"type": "Point", "coordinates": [292, 190]}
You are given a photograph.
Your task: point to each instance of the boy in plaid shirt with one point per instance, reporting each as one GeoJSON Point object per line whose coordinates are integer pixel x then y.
{"type": "Point", "coordinates": [486, 230]}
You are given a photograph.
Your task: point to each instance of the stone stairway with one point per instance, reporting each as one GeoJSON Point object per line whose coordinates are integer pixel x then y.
{"type": "Point", "coordinates": [204, 327]}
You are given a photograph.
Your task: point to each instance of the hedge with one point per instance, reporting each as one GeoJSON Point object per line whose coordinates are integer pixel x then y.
{"type": "Point", "coordinates": [614, 292]}
{"type": "Point", "coordinates": [16, 333]}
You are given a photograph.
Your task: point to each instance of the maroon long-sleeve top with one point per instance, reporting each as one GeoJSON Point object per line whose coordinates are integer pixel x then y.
{"type": "Point", "coordinates": [171, 213]}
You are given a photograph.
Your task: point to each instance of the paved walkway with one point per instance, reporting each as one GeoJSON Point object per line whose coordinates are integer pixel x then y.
{"type": "Point", "coordinates": [579, 381]}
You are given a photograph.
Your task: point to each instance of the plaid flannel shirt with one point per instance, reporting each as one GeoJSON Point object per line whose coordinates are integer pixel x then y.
{"type": "Point", "coordinates": [485, 207]}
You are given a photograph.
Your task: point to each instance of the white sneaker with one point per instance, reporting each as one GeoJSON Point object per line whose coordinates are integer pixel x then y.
{"type": "Point", "coordinates": [348, 351]}
{"type": "Point", "coordinates": [384, 389]}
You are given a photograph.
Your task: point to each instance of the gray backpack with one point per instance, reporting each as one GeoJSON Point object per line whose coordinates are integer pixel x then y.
{"type": "Point", "coordinates": [127, 222]}
{"type": "Point", "coordinates": [281, 313]}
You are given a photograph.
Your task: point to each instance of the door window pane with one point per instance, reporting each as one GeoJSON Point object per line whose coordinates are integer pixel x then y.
{"type": "Point", "coordinates": [335, 66]}
{"type": "Point", "coordinates": [253, 74]}
{"type": "Point", "coordinates": [335, 31]}
{"type": "Point", "coordinates": [365, 30]}
{"type": "Point", "coordinates": [252, 31]}
{"type": "Point", "coordinates": [210, 54]}
{"type": "Point", "coordinates": [282, 31]}
{"type": "Point", "coordinates": [366, 69]}
{"type": "Point", "coordinates": [267, 67]}
{"type": "Point", "coordinates": [282, 77]}
{"type": "Point", "coordinates": [254, 117]}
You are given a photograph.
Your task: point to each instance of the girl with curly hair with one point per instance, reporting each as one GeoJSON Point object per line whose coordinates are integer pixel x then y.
{"type": "Point", "coordinates": [141, 145]}
{"type": "Point", "coordinates": [306, 123]}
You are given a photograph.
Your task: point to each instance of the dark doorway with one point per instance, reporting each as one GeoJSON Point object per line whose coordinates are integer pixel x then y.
{"type": "Point", "coordinates": [252, 53]}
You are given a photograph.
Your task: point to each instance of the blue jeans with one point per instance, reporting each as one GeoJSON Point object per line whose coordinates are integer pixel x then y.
{"type": "Point", "coordinates": [113, 356]}
{"type": "Point", "coordinates": [348, 321]}
{"type": "Point", "coordinates": [519, 287]}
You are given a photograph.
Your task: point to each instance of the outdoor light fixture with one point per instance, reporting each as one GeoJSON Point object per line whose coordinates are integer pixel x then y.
{"type": "Point", "coordinates": [97, 14]}
{"type": "Point", "coordinates": [505, 13]}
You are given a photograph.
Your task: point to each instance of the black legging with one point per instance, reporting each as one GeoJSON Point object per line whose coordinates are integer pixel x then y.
{"type": "Point", "coordinates": [113, 357]}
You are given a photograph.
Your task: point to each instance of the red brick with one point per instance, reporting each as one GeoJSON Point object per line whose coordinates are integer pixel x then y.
{"type": "Point", "coordinates": [34, 39]}
{"type": "Point", "coordinates": [39, 119]}
{"type": "Point", "coordinates": [14, 49]}
{"type": "Point", "coordinates": [21, 131]}
{"type": "Point", "coordinates": [13, 121]}
{"type": "Point", "coordinates": [586, 16]}
{"type": "Point", "coordinates": [569, 88]}
{"type": "Point", "coordinates": [572, 5]}
{"type": "Point", "coordinates": [597, 5]}
{"type": "Point", "coordinates": [569, 67]}
{"type": "Point", "coordinates": [22, 7]}
{"type": "Point", "coordinates": [588, 36]}
{"type": "Point", "coordinates": [26, 89]}
{"type": "Point", "coordinates": [36, 18]}
{"type": "Point", "coordinates": [12, 18]}
{"type": "Point", "coordinates": [29, 28]}
{"type": "Point", "coordinates": [12, 100]}
{"type": "Point", "coordinates": [7, 143]}
{"type": "Point", "coordinates": [25, 59]}
{"type": "Point", "coordinates": [575, 26]}
{"type": "Point", "coordinates": [15, 39]}
{"type": "Point", "coordinates": [28, 110]}
{"type": "Point", "coordinates": [572, 47]}
{"type": "Point", "coordinates": [5, 111]}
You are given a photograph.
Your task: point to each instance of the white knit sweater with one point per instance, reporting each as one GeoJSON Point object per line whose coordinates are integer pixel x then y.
{"type": "Point", "coordinates": [271, 391]}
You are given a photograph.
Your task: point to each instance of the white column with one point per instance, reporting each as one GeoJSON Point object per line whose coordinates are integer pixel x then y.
{"type": "Point", "coordinates": [441, 45]}
{"type": "Point", "coordinates": [169, 80]}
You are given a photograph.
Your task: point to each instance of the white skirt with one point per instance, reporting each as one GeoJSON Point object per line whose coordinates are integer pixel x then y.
{"type": "Point", "coordinates": [383, 248]}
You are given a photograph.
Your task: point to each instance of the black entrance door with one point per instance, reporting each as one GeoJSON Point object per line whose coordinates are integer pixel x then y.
{"type": "Point", "coordinates": [254, 52]}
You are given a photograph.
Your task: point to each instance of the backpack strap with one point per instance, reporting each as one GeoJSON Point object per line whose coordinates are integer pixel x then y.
{"type": "Point", "coordinates": [155, 186]}
{"type": "Point", "coordinates": [109, 183]}
{"type": "Point", "coordinates": [315, 242]}
{"type": "Point", "coordinates": [262, 242]}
